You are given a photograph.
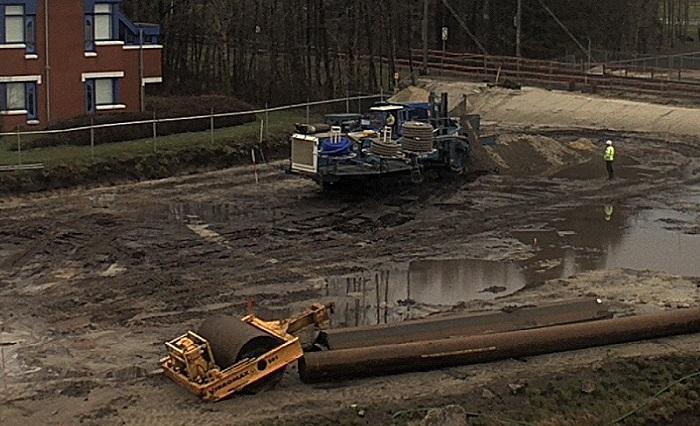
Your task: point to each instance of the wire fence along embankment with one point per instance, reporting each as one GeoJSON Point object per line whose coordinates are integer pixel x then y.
{"type": "Point", "coordinates": [347, 104]}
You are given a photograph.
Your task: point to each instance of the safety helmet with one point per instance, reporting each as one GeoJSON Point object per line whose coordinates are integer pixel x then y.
{"type": "Point", "coordinates": [609, 142]}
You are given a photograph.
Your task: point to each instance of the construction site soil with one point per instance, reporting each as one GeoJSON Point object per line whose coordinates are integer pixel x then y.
{"type": "Point", "coordinates": [93, 281]}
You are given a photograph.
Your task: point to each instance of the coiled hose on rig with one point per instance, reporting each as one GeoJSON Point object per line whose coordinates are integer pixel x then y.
{"type": "Point", "coordinates": [417, 137]}
{"type": "Point", "coordinates": [388, 149]}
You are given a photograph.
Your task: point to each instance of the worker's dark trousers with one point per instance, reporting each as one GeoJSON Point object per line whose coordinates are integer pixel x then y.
{"type": "Point", "coordinates": [611, 172]}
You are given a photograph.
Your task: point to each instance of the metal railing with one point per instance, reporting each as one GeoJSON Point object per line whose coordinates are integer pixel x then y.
{"type": "Point", "coordinates": [677, 83]}
{"type": "Point", "coordinates": [348, 101]}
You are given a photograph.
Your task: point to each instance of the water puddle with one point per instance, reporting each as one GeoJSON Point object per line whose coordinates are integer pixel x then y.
{"type": "Point", "coordinates": [586, 238]}
{"type": "Point", "coordinates": [607, 237]}
{"type": "Point", "coordinates": [422, 287]}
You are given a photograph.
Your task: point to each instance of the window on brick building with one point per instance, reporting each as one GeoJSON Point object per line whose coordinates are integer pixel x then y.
{"type": "Point", "coordinates": [15, 97]}
{"type": "Point", "coordinates": [19, 98]}
{"type": "Point", "coordinates": [17, 27]}
{"type": "Point", "coordinates": [101, 92]}
{"type": "Point", "coordinates": [103, 21]}
{"type": "Point", "coordinates": [14, 24]}
{"type": "Point", "coordinates": [104, 92]}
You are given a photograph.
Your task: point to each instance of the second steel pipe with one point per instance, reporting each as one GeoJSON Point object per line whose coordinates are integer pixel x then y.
{"type": "Point", "coordinates": [386, 359]}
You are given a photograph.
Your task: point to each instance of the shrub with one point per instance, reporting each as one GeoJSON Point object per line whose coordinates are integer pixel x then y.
{"type": "Point", "coordinates": [163, 107]}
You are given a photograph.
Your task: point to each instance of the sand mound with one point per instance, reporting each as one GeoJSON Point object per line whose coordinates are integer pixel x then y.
{"type": "Point", "coordinates": [539, 107]}
{"type": "Point", "coordinates": [411, 94]}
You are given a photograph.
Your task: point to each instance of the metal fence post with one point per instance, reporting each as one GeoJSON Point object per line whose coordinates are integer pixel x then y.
{"type": "Point", "coordinates": [211, 127]}
{"type": "Point", "coordinates": [92, 138]}
{"type": "Point", "coordinates": [267, 123]}
{"type": "Point", "coordinates": [347, 102]}
{"type": "Point", "coordinates": [155, 132]}
{"type": "Point", "coordinates": [551, 73]}
{"type": "Point", "coordinates": [19, 148]}
{"type": "Point", "coordinates": [308, 111]}
{"type": "Point", "coordinates": [262, 128]}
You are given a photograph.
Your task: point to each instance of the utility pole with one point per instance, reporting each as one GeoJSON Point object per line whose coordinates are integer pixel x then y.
{"type": "Point", "coordinates": [588, 67]}
{"type": "Point", "coordinates": [426, 12]}
{"type": "Point", "coordinates": [518, 24]}
{"type": "Point", "coordinates": [141, 72]}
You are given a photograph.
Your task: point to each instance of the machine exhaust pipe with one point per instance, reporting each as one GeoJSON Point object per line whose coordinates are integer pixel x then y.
{"type": "Point", "coordinates": [444, 104]}
{"type": "Point", "coordinates": [425, 355]}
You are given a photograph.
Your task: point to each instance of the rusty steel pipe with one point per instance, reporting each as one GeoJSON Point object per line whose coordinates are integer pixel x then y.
{"type": "Point", "coordinates": [386, 359]}
{"type": "Point", "coordinates": [565, 312]}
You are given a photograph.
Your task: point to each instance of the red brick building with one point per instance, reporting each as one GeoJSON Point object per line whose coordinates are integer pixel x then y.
{"type": "Point", "coordinates": [65, 58]}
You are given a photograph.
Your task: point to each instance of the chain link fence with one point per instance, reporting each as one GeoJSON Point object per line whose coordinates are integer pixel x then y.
{"type": "Point", "coordinates": [20, 150]}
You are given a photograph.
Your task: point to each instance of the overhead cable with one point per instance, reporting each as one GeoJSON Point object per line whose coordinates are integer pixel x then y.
{"type": "Point", "coordinates": [561, 24]}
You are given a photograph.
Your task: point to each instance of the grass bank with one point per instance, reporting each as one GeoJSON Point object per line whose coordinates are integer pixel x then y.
{"type": "Point", "coordinates": [66, 166]}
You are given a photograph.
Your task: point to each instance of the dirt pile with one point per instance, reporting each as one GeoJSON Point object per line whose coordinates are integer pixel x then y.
{"type": "Point", "coordinates": [530, 155]}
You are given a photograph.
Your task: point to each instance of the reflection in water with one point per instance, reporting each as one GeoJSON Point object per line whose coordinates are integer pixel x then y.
{"type": "Point", "coordinates": [446, 282]}
{"type": "Point", "coordinates": [645, 244]}
{"type": "Point", "coordinates": [400, 294]}
{"type": "Point", "coordinates": [585, 240]}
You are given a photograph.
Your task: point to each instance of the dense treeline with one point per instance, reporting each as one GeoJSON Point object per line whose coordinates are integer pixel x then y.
{"type": "Point", "coordinates": [285, 50]}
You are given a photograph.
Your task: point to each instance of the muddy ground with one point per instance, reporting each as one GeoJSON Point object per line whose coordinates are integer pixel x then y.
{"type": "Point", "coordinates": [92, 282]}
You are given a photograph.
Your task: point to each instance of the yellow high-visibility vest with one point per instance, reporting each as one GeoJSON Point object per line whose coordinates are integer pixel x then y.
{"type": "Point", "coordinates": [610, 153]}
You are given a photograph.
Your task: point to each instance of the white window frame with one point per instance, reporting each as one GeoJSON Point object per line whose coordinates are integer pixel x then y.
{"type": "Point", "coordinates": [21, 78]}
{"type": "Point", "coordinates": [15, 13]}
{"type": "Point", "coordinates": [151, 80]}
{"type": "Point", "coordinates": [95, 75]}
{"type": "Point", "coordinates": [110, 107]}
{"type": "Point", "coordinates": [145, 46]}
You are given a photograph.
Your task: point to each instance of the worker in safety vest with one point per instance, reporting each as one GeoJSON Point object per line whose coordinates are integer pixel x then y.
{"type": "Point", "coordinates": [609, 210]}
{"type": "Point", "coordinates": [390, 120]}
{"type": "Point", "coordinates": [609, 159]}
